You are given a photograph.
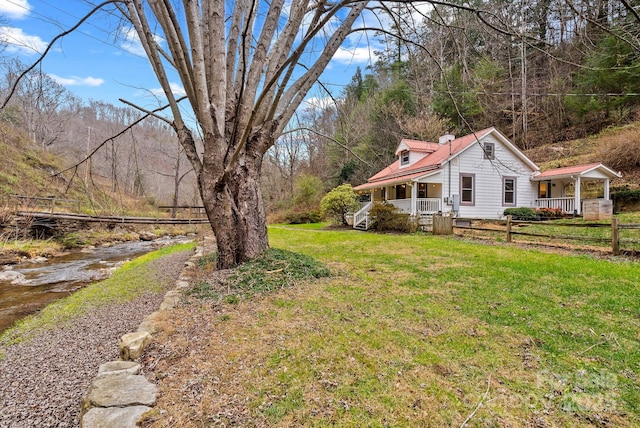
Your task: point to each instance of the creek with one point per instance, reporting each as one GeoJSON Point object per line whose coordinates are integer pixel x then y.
{"type": "Point", "coordinates": [31, 285]}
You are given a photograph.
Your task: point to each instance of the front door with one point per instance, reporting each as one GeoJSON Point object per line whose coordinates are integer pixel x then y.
{"type": "Point", "coordinates": [422, 190]}
{"type": "Point", "coordinates": [401, 191]}
{"type": "Point", "coordinates": [544, 189]}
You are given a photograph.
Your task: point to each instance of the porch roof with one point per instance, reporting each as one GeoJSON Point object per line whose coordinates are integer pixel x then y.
{"type": "Point", "coordinates": [394, 180]}
{"type": "Point", "coordinates": [592, 170]}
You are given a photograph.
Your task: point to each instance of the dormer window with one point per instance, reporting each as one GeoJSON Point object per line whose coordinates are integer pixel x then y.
{"type": "Point", "coordinates": [404, 157]}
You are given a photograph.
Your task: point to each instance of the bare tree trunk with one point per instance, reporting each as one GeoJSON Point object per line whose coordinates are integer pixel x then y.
{"type": "Point", "coordinates": [236, 212]}
{"type": "Point", "coordinates": [114, 168]}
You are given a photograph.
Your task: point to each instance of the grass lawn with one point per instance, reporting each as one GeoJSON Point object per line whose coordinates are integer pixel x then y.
{"type": "Point", "coordinates": [413, 330]}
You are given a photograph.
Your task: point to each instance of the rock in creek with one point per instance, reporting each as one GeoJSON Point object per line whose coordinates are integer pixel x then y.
{"type": "Point", "coordinates": [16, 278]}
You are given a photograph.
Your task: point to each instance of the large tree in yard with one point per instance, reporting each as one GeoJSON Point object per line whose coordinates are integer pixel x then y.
{"type": "Point", "coordinates": [245, 66]}
{"type": "Point", "coordinates": [242, 65]}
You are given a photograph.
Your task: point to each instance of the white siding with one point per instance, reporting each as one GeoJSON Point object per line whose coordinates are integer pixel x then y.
{"type": "Point", "coordinates": [488, 179]}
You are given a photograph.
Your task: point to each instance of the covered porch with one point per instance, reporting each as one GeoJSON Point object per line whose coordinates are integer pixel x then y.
{"type": "Point", "coordinates": [566, 188]}
{"type": "Point", "coordinates": [415, 198]}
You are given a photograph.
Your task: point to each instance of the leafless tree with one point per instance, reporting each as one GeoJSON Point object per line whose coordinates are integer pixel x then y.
{"type": "Point", "coordinates": [177, 175]}
{"type": "Point", "coordinates": [245, 68]}
{"type": "Point", "coordinates": [40, 103]}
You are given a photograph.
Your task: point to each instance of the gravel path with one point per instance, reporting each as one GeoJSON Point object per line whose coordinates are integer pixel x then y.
{"type": "Point", "coordinates": [43, 381]}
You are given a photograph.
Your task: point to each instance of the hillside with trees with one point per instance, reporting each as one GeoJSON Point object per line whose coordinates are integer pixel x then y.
{"type": "Point", "coordinates": [560, 78]}
{"type": "Point", "coordinates": [95, 142]}
{"type": "Point", "coordinates": [550, 71]}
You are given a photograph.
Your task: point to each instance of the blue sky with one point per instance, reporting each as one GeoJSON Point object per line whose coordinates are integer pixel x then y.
{"type": "Point", "coordinates": [100, 62]}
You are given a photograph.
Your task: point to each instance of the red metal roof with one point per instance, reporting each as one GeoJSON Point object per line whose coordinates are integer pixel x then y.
{"type": "Point", "coordinates": [420, 146]}
{"type": "Point", "coordinates": [573, 170]}
{"type": "Point", "coordinates": [378, 183]}
{"type": "Point", "coordinates": [441, 153]}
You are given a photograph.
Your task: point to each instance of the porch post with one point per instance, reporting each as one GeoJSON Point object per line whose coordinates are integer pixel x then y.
{"type": "Point", "coordinates": [414, 197]}
{"type": "Point", "coordinates": [577, 207]}
{"type": "Point", "coordinates": [606, 189]}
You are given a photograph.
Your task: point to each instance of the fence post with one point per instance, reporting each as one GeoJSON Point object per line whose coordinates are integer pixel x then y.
{"type": "Point", "coordinates": [508, 228]}
{"type": "Point", "coordinates": [442, 225]}
{"type": "Point", "coordinates": [615, 236]}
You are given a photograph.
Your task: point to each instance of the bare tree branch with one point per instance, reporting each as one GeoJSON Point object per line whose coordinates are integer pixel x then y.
{"type": "Point", "coordinates": [50, 45]}
{"type": "Point", "coordinates": [122, 132]}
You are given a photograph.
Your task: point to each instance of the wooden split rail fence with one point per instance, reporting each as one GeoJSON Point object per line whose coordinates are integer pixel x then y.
{"type": "Point", "coordinates": [17, 203]}
{"type": "Point", "coordinates": [513, 228]}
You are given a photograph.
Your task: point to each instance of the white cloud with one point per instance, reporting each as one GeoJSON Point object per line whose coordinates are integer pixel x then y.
{"type": "Point", "coordinates": [19, 42]}
{"type": "Point", "coordinates": [131, 42]}
{"type": "Point", "coordinates": [77, 81]}
{"type": "Point", "coordinates": [359, 47]}
{"type": "Point", "coordinates": [420, 10]}
{"type": "Point", "coordinates": [14, 9]}
{"type": "Point", "coordinates": [319, 103]}
{"type": "Point", "coordinates": [176, 89]}
{"type": "Point", "coordinates": [357, 55]}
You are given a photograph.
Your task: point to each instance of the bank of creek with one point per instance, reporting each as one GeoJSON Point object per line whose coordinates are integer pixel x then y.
{"type": "Point", "coordinates": [27, 287]}
{"type": "Point", "coordinates": [44, 378]}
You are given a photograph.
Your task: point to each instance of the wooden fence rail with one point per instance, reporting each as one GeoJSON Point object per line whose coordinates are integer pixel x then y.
{"type": "Point", "coordinates": [191, 210]}
{"type": "Point", "coordinates": [17, 202]}
{"type": "Point", "coordinates": [112, 219]}
{"type": "Point", "coordinates": [509, 228]}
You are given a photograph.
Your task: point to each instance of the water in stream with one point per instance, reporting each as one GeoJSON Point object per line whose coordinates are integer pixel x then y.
{"type": "Point", "coordinates": [60, 276]}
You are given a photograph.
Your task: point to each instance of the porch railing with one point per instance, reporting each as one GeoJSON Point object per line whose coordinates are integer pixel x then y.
{"type": "Point", "coordinates": [567, 205]}
{"type": "Point", "coordinates": [428, 205]}
{"type": "Point", "coordinates": [423, 205]}
{"type": "Point", "coordinates": [402, 204]}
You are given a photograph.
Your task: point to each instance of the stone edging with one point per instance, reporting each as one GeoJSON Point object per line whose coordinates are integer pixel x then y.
{"type": "Point", "coordinates": [119, 395]}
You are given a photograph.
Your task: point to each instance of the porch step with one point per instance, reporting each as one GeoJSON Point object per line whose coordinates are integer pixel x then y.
{"type": "Point", "coordinates": [362, 225]}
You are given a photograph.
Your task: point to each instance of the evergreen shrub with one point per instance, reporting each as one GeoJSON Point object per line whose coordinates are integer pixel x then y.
{"type": "Point", "coordinates": [303, 217]}
{"type": "Point", "coordinates": [522, 213]}
{"type": "Point", "coordinates": [388, 218]}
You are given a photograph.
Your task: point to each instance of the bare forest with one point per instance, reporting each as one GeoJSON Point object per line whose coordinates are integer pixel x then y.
{"type": "Point", "coordinates": [97, 142]}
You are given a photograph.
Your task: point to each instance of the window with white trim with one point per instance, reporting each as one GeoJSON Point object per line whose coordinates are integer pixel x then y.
{"type": "Point", "coordinates": [508, 191]}
{"type": "Point", "coordinates": [404, 157]}
{"type": "Point", "coordinates": [467, 189]}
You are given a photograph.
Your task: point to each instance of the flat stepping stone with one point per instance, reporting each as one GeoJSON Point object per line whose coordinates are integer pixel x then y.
{"type": "Point", "coordinates": [121, 417]}
{"type": "Point", "coordinates": [117, 391]}
{"type": "Point", "coordinates": [119, 368]}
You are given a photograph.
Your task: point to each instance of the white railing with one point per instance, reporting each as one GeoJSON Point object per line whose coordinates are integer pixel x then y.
{"type": "Point", "coordinates": [364, 204]}
{"type": "Point", "coordinates": [428, 205]}
{"type": "Point", "coordinates": [423, 205]}
{"type": "Point", "coordinates": [567, 205]}
{"type": "Point", "coordinates": [401, 204]}
{"type": "Point", "coordinates": [362, 216]}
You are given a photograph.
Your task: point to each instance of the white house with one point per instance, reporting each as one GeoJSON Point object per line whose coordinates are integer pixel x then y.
{"type": "Point", "coordinates": [477, 176]}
